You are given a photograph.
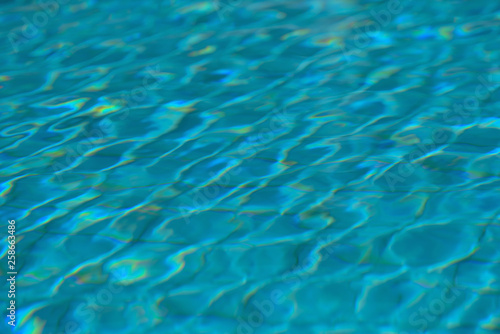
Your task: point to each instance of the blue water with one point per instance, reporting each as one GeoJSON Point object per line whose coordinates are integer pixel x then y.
{"type": "Point", "coordinates": [245, 167]}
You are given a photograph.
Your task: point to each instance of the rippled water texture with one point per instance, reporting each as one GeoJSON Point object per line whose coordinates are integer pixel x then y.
{"type": "Point", "coordinates": [252, 166]}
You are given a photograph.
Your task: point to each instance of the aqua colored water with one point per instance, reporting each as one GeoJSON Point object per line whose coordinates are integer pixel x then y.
{"type": "Point", "coordinates": [302, 167]}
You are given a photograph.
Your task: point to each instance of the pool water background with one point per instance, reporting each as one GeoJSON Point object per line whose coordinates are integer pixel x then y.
{"type": "Point", "coordinates": [252, 167]}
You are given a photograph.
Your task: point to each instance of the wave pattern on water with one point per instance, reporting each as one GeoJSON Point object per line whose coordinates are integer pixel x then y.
{"type": "Point", "coordinates": [252, 166]}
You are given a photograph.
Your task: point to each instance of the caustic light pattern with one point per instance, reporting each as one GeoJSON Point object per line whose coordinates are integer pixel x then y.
{"type": "Point", "coordinates": [251, 166]}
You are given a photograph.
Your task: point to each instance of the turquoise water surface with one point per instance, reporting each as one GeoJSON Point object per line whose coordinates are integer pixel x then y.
{"type": "Point", "coordinates": [234, 166]}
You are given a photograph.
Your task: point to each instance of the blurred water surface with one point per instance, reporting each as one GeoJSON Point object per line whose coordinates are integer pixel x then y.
{"type": "Point", "coordinates": [252, 166]}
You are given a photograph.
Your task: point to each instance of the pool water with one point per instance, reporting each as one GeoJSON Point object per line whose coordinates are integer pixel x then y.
{"type": "Point", "coordinates": [323, 167]}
